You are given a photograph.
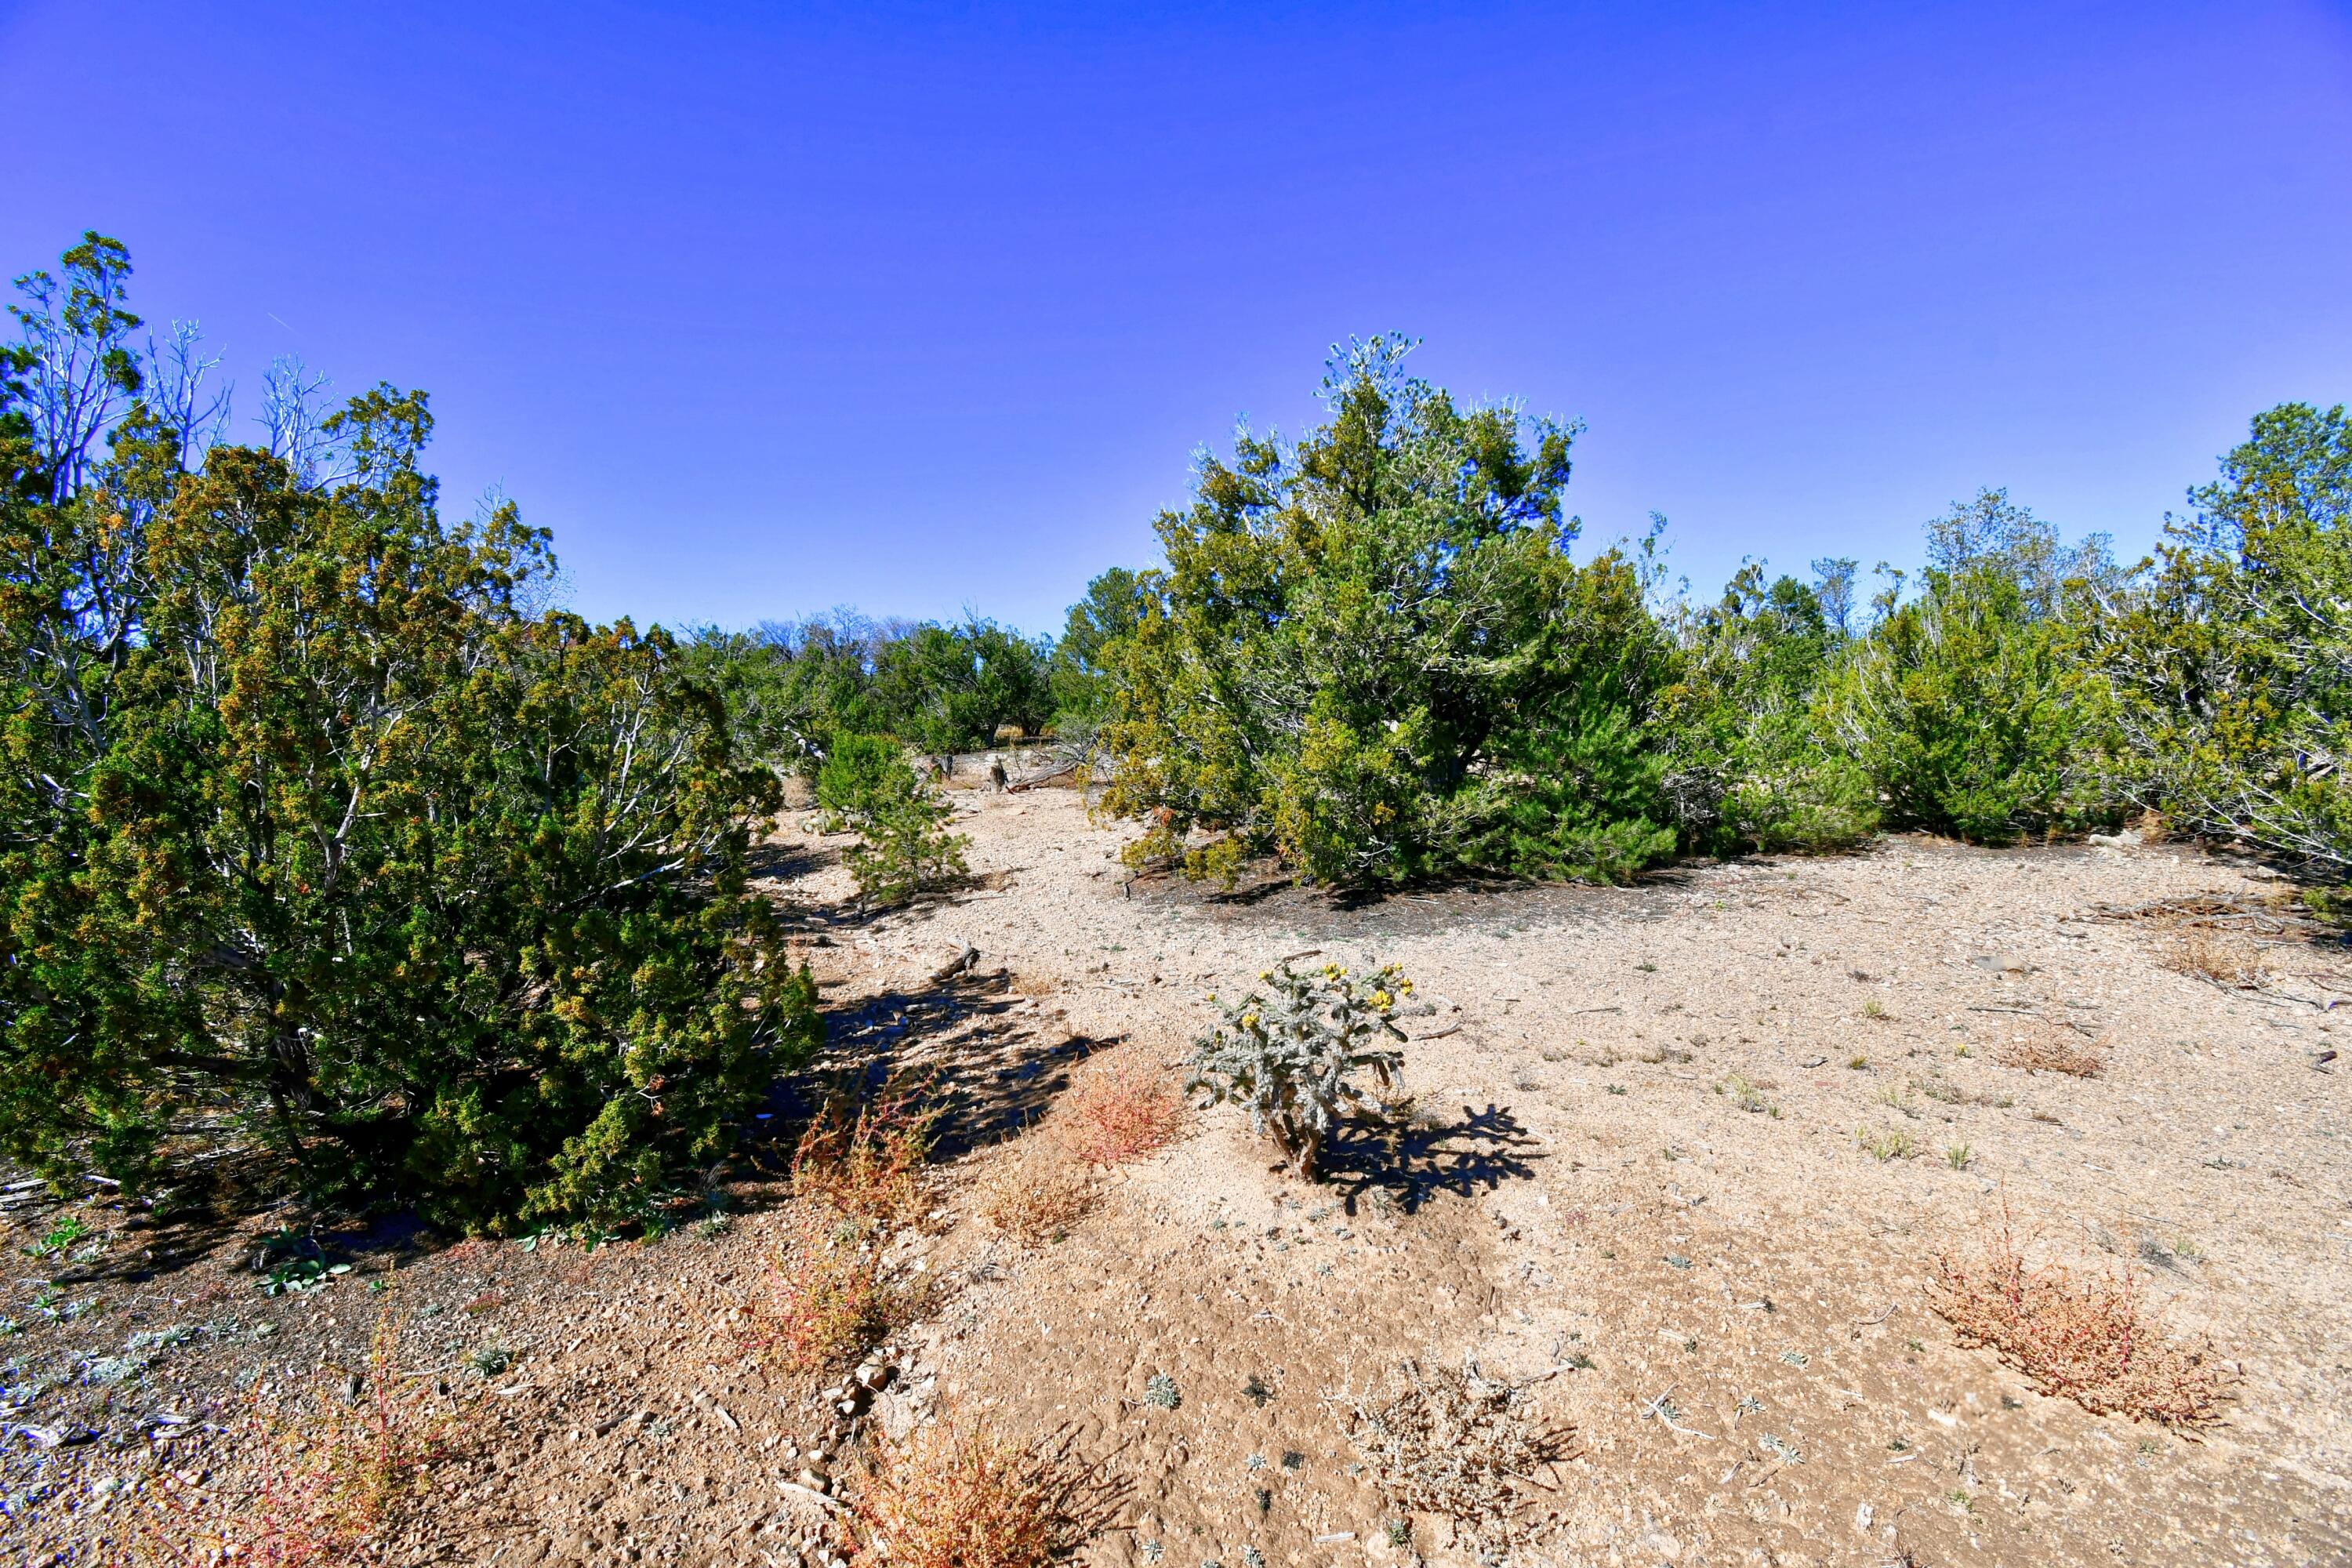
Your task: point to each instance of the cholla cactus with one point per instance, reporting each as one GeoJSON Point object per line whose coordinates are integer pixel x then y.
{"type": "Point", "coordinates": [1288, 1058]}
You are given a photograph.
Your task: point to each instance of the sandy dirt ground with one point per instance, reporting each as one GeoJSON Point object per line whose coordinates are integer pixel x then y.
{"type": "Point", "coordinates": [1637, 1181]}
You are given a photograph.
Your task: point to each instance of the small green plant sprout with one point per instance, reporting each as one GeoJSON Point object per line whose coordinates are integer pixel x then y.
{"type": "Point", "coordinates": [1741, 1092]}
{"type": "Point", "coordinates": [1859, 1064]}
{"type": "Point", "coordinates": [1883, 1146]}
{"type": "Point", "coordinates": [1876, 1011]}
{"type": "Point", "coordinates": [62, 1236]}
{"type": "Point", "coordinates": [1160, 1389]}
{"type": "Point", "coordinates": [1616, 1088]}
{"type": "Point", "coordinates": [1289, 1058]}
{"type": "Point", "coordinates": [1958, 1155]}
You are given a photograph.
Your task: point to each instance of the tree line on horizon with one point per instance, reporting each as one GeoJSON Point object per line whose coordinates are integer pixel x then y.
{"type": "Point", "coordinates": [324, 826]}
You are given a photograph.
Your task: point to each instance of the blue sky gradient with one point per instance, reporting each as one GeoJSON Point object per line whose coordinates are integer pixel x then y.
{"type": "Point", "coordinates": [769, 309]}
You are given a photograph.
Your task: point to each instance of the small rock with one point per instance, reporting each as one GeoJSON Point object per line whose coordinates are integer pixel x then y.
{"type": "Point", "coordinates": [1862, 1517]}
{"type": "Point", "coordinates": [815, 1480]}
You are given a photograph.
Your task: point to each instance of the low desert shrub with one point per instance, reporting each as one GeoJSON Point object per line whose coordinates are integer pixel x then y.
{"type": "Point", "coordinates": [1121, 1112]}
{"type": "Point", "coordinates": [867, 1158]}
{"type": "Point", "coordinates": [959, 1494]}
{"type": "Point", "coordinates": [2205, 954]}
{"type": "Point", "coordinates": [825, 1299]}
{"type": "Point", "coordinates": [1289, 1058]}
{"type": "Point", "coordinates": [1039, 1194]}
{"type": "Point", "coordinates": [2091, 1338]}
{"type": "Point", "coordinates": [1458, 1446]}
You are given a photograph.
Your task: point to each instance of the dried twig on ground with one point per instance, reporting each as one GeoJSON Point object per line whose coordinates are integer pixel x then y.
{"type": "Point", "coordinates": [2051, 1049]}
{"type": "Point", "coordinates": [1459, 1446]}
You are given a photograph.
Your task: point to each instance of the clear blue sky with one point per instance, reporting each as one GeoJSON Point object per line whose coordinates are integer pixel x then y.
{"type": "Point", "coordinates": [774, 308]}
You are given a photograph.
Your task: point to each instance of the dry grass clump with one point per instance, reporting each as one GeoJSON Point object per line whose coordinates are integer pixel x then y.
{"type": "Point", "coordinates": [867, 1158]}
{"type": "Point", "coordinates": [334, 1467]}
{"type": "Point", "coordinates": [1040, 1194]}
{"type": "Point", "coordinates": [1121, 1112]}
{"type": "Point", "coordinates": [825, 1299]}
{"type": "Point", "coordinates": [1458, 1446]}
{"type": "Point", "coordinates": [2091, 1338]}
{"type": "Point", "coordinates": [959, 1495]}
{"type": "Point", "coordinates": [2052, 1049]}
{"type": "Point", "coordinates": [2203, 953]}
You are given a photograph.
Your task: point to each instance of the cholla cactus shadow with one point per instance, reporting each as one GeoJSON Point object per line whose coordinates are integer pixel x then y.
{"type": "Point", "coordinates": [1404, 1161]}
{"type": "Point", "coordinates": [1289, 1059]}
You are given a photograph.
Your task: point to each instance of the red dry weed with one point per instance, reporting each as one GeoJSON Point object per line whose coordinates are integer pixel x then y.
{"type": "Point", "coordinates": [958, 1495]}
{"type": "Point", "coordinates": [866, 1159]}
{"type": "Point", "coordinates": [1122, 1111]}
{"type": "Point", "coordinates": [2093, 1338]}
{"type": "Point", "coordinates": [824, 1299]}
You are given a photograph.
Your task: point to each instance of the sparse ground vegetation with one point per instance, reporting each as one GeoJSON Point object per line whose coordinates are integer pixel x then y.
{"type": "Point", "coordinates": [2051, 1048]}
{"type": "Point", "coordinates": [1040, 1192]}
{"type": "Point", "coordinates": [338, 1458]}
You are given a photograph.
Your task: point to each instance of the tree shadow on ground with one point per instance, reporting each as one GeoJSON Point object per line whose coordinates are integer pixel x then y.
{"type": "Point", "coordinates": [785, 860]}
{"type": "Point", "coordinates": [993, 1061]}
{"type": "Point", "coordinates": [1412, 1162]}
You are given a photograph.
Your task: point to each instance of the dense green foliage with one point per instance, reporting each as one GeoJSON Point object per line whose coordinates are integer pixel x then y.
{"type": "Point", "coordinates": [1368, 653]}
{"type": "Point", "coordinates": [1372, 655]}
{"type": "Point", "coordinates": [792, 690]}
{"type": "Point", "coordinates": [309, 829]}
{"type": "Point", "coordinates": [2233, 669]}
{"type": "Point", "coordinates": [1750, 769]}
{"type": "Point", "coordinates": [1969, 706]}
